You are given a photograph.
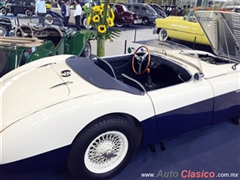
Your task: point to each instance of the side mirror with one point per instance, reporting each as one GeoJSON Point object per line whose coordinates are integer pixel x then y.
{"type": "Point", "coordinates": [198, 76]}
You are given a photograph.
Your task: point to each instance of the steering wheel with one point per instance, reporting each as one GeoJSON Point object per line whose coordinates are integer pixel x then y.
{"type": "Point", "coordinates": [140, 60]}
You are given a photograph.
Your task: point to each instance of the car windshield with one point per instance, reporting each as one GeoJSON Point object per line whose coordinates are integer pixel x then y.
{"type": "Point", "coordinates": [165, 47]}
{"type": "Point", "coordinates": [34, 21]}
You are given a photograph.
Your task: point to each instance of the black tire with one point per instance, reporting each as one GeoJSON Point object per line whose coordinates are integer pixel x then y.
{"type": "Point", "coordinates": [4, 63]}
{"type": "Point", "coordinates": [163, 35]}
{"type": "Point", "coordinates": [48, 19]}
{"type": "Point", "coordinates": [92, 138]}
{"type": "Point", "coordinates": [4, 11]}
{"type": "Point", "coordinates": [3, 31]}
{"type": "Point", "coordinates": [84, 23]}
{"type": "Point", "coordinates": [28, 13]}
{"type": "Point", "coordinates": [145, 21]}
{"type": "Point", "coordinates": [87, 50]}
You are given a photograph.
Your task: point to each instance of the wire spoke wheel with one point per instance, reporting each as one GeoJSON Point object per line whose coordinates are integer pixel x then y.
{"type": "Point", "coordinates": [106, 152]}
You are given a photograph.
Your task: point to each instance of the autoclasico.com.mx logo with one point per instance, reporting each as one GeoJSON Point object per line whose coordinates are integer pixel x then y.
{"type": "Point", "coordinates": [189, 174]}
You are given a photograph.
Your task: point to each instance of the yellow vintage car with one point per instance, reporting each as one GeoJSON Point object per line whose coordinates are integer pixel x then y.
{"type": "Point", "coordinates": [183, 28]}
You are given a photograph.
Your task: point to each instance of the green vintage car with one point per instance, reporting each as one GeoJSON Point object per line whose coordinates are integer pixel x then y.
{"type": "Point", "coordinates": [31, 43]}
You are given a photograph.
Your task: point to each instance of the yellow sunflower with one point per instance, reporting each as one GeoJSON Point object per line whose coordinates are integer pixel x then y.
{"type": "Point", "coordinates": [110, 22]}
{"type": "Point", "coordinates": [101, 13]}
{"type": "Point", "coordinates": [112, 14]}
{"type": "Point", "coordinates": [89, 19]}
{"type": "Point", "coordinates": [96, 18]}
{"type": "Point", "coordinates": [102, 29]}
{"type": "Point", "coordinates": [96, 8]}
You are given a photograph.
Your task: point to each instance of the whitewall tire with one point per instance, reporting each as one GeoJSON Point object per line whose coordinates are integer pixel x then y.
{"type": "Point", "coordinates": [103, 148]}
{"type": "Point", "coordinates": [85, 24]}
{"type": "Point", "coordinates": [3, 31]}
{"type": "Point", "coordinates": [163, 35]}
{"type": "Point", "coordinates": [48, 19]}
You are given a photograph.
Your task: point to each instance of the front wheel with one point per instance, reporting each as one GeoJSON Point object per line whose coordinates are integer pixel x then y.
{"type": "Point", "coordinates": [3, 30]}
{"type": "Point", "coordinates": [28, 13]}
{"type": "Point", "coordinates": [48, 19]}
{"type": "Point", "coordinates": [87, 50]}
{"type": "Point", "coordinates": [85, 24]}
{"type": "Point", "coordinates": [103, 148]}
{"type": "Point", "coordinates": [163, 35]}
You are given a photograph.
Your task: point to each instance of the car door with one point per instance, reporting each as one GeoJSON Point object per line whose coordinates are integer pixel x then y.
{"type": "Point", "coordinates": [189, 29]}
{"type": "Point", "coordinates": [182, 108]}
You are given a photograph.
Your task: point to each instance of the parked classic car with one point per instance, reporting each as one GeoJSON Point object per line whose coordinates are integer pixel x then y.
{"type": "Point", "coordinates": [56, 12]}
{"type": "Point", "coordinates": [84, 112]}
{"type": "Point", "coordinates": [31, 43]}
{"type": "Point", "coordinates": [5, 26]}
{"type": "Point", "coordinates": [16, 7]}
{"type": "Point", "coordinates": [158, 9]}
{"type": "Point", "coordinates": [123, 16]}
{"type": "Point", "coordinates": [144, 11]}
{"type": "Point", "coordinates": [183, 28]}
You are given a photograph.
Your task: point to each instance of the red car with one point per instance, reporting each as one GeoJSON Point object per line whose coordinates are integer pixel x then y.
{"type": "Point", "coordinates": [123, 16]}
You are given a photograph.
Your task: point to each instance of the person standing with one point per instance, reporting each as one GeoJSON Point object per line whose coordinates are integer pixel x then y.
{"type": "Point", "coordinates": [56, 4]}
{"type": "Point", "coordinates": [186, 11]}
{"type": "Point", "coordinates": [65, 12]}
{"type": "Point", "coordinates": [77, 14]}
{"type": "Point", "coordinates": [41, 11]}
{"type": "Point", "coordinates": [174, 11]}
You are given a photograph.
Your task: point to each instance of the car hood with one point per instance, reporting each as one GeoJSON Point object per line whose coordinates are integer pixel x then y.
{"type": "Point", "coordinates": [222, 30]}
{"type": "Point", "coordinates": [38, 87]}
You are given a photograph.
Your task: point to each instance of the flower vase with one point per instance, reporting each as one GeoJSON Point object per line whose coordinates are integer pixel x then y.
{"type": "Point", "coordinates": [100, 47]}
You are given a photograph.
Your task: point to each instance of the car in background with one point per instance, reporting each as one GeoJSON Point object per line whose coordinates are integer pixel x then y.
{"type": "Point", "coordinates": [56, 12]}
{"type": "Point", "coordinates": [158, 9]}
{"type": "Point", "coordinates": [16, 7]}
{"type": "Point", "coordinates": [144, 11]}
{"type": "Point", "coordinates": [124, 17]}
{"type": "Point", "coordinates": [5, 26]}
{"type": "Point", "coordinates": [182, 28]}
{"type": "Point", "coordinates": [231, 9]}
{"type": "Point", "coordinates": [31, 43]}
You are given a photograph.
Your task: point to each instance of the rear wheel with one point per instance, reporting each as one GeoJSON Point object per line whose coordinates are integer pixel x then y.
{"type": "Point", "coordinates": [145, 21]}
{"type": "Point", "coordinates": [4, 11]}
{"type": "Point", "coordinates": [3, 31]}
{"type": "Point", "coordinates": [163, 35]}
{"type": "Point", "coordinates": [4, 63]}
{"type": "Point", "coordinates": [87, 50]}
{"type": "Point", "coordinates": [103, 148]}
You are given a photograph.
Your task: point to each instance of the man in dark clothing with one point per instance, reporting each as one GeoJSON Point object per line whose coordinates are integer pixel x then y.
{"type": "Point", "coordinates": [174, 11]}
{"type": "Point", "coordinates": [65, 12]}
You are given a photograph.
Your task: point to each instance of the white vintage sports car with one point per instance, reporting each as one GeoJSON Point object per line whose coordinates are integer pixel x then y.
{"type": "Point", "coordinates": [101, 110]}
